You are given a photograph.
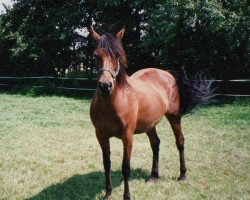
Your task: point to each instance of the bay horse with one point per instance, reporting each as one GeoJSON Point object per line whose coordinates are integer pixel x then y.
{"type": "Point", "coordinates": [123, 106]}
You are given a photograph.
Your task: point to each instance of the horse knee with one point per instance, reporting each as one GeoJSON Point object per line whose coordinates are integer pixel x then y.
{"type": "Point", "coordinates": [126, 169]}
{"type": "Point", "coordinates": [180, 147]}
{"type": "Point", "coordinates": [180, 144]}
{"type": "Point", "coordinates": [157, 141]}
{"type": "Point", "coordinates": [154, 141]}
{"type": "Point", "coordinates": [157, 145]}
{"type": "Point", "coordinates": [180, 138]}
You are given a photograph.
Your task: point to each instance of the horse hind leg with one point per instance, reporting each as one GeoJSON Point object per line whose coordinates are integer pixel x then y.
{"type": "Point", "coordinates": [155, 144]}
{"type": "Point", "coordinates": [175, 122]}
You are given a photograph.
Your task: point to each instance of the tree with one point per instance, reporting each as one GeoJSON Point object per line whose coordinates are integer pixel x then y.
{"type": "Point", "coordinates": [39, 37]}
{"type": "Point", "coordinates": [202, 35]}
{"type": "Point", "coordinates": [41, 34]}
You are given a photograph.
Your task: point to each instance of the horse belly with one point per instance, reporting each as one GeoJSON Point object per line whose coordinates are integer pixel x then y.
{"type": "Point", "coordinates": [151, 110]}
{"type": "Point", "coordinates": [143, 127]}
{"type": "Point", "coordinates": [147, 121]}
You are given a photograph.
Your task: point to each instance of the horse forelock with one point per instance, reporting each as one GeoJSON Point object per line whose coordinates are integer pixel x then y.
{"type": "Point", "coordinates": [109, 45]}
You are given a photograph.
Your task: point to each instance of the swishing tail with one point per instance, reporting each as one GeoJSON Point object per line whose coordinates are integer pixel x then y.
{"type": "Point", "coordinates": [194, 92]}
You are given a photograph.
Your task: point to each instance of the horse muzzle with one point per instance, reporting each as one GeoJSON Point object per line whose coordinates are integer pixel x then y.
{"type": "Point", "coordinates": [105, 88]}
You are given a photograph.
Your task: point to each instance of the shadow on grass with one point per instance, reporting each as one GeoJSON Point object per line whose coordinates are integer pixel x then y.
{"type": "Point", "coordinates": [86, 186]}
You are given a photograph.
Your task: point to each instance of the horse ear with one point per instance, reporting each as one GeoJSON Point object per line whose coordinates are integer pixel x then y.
{"type": "Point", "coordinates": [95, 35]}
{"type": "Point", "coordinates": [120, 34]}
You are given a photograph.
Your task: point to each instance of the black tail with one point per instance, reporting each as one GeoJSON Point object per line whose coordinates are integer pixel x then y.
{"type": "Point", "coordinates": [194, 92]}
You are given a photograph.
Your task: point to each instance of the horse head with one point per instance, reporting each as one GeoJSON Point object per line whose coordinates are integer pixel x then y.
{"type": "Point", "coordinates": [111, 61]}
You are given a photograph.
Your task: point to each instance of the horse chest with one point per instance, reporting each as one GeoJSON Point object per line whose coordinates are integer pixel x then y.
{"type": "Point", "coordinates": [107, 122]}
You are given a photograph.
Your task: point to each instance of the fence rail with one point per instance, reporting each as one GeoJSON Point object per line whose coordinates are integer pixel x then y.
{"type": "Point", "coordinates": [226, 88]}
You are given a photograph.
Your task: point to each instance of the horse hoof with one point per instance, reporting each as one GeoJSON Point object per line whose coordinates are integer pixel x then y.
{"type": "Point", "coordinates": [151, 179]}
{"type": "Point", "coordinates": [181, 178]}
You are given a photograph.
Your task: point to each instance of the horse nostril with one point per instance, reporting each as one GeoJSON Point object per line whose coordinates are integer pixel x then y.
{"type": "Point", "coordinates": [105, 87]}
{"type": "Point", "coordinates": [110, 84]}
{"type": "Point", "coordinates": [100, 84]}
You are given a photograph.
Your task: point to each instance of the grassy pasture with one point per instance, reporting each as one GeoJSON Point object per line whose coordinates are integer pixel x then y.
{"type": "Point", "coordinates": [48, 150]}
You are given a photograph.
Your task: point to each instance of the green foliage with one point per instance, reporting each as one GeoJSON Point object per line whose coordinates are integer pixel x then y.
{"type": "Point", "coordinates": [42, 33]}
{"type": "Point", "coordinates": [208, 35]}
{"type": "Point", "coordinates": [38, 37]}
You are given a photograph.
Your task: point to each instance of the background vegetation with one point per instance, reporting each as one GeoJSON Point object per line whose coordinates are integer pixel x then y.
{"type": "Point", "coordinates": [40, 37]}
{"type": "Point", "coordinates": [48, 143]}
{"type": "Point", "coordinates": [49, 151]}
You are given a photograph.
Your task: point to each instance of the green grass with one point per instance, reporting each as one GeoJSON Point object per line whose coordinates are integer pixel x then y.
{"type": "Point", "coordinates": [48, 150]}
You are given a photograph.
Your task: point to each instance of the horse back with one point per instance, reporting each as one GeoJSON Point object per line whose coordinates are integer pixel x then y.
{"type": "Point", "coordinates": [154, 82]}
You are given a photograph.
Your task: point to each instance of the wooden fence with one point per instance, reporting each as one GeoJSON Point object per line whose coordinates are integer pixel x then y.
{"type": "Point", "coordinates": [87, 86]}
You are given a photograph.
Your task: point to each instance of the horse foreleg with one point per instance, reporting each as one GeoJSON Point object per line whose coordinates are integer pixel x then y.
{"type": "Point", "coordinates": [175, 122]}
{"type": "Point", "coordinates": [127, 149]}
{"type": "Point", "coordinates": [155, 144]}
{"type": "Point", "coordinates": [105, 145]}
